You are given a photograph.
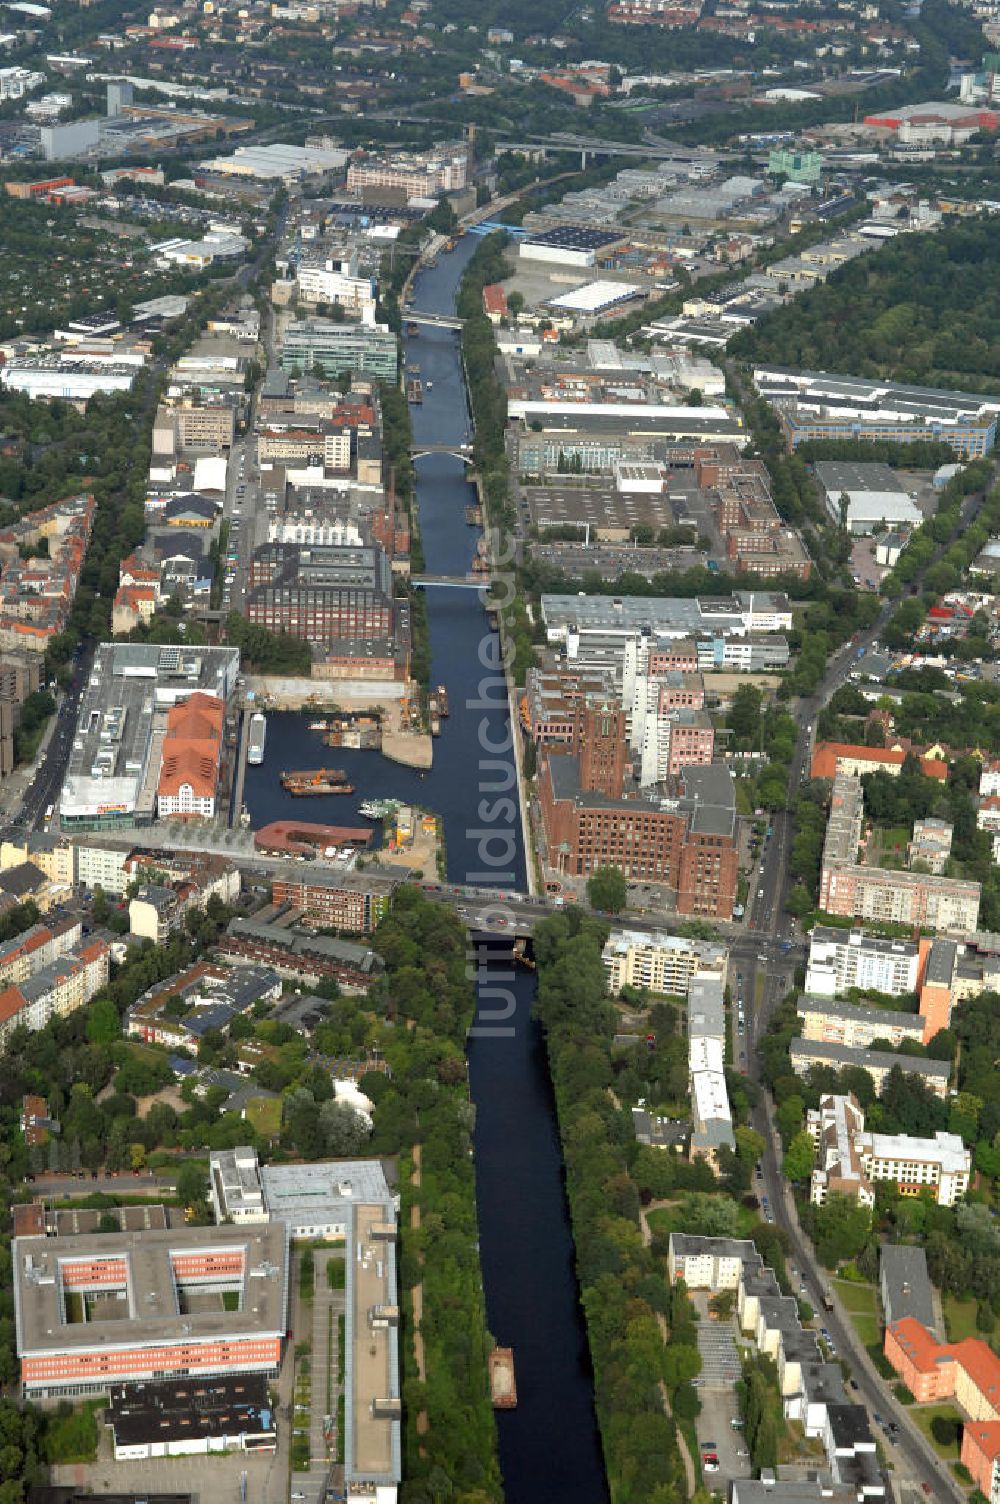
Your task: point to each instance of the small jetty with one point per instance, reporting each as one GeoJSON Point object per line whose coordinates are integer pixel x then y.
{"type": "Point", "coordinates": [441, 695]}
{"type": "Point", "coordinates": [503, 1389]}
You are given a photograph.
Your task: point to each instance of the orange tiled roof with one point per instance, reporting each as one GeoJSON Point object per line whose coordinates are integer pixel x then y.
{"type": "Point", "coordinates": [827, 755]}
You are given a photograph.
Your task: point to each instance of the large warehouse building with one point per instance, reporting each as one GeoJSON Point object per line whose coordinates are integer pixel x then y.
{"type": "Point", "coordinates": [114, 766]}
{"type": "Point", "coordinates": [93, 1311]}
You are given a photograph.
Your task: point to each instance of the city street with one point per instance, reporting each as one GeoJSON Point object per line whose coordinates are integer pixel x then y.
{"type": "Point", "coordinates": [913, 1459]}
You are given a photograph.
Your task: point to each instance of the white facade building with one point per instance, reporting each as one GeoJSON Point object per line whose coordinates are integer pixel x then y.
{"type": "Point", "coordinates": [840, 959]}
{"type": "Point", "coordinates": [339, 282]}
{"type": "Point", "coordinates": [16, 82]}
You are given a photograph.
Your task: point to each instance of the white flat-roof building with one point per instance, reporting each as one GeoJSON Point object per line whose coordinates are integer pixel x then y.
{"type": "Point", "coordinates": [849, 1160]}
{"type": "Point", "coordinates": [841, 959]}
{"type": "Point", "coordinates": [277, 160]}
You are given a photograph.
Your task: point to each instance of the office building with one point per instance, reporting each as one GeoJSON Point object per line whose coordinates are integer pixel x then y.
{"type": "Point", "coordinates": [324, 279]}
{"type": "Point", "coordinates": [864, 497]}
{"type": "Point", "coordinates": [95, 1311]}
{"type": "Point", "coordinates": [369, 349]}
{"type": "Point", "coordinates": [338, 1201]}
{"type": "Point", "coordinates": [192, 758]}
{"type": "Point", "coordinates": [849, 1160]}
{"type": "Point", "coordinates": [322, 594]}
{"type": "Point", "coordinates": [658, 962]}
{"type": "Point", "coordinates": [443, 169]}
{"type": "Point", "coordinates": [313, 1201]}
{"type": "Point", "coordinates": [687, 843]}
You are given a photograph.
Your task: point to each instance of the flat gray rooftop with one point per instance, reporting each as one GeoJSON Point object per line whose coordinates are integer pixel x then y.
{"type": "Point", "coordinates": [306, 1192]}
{"type": "Point", "coordinates": [141, 1262]}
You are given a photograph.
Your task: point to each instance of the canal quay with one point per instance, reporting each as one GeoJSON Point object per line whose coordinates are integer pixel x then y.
{"type": "Point", "coordinates": [550, 1450]}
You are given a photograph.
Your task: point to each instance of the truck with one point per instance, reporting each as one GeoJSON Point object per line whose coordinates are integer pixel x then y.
{"type": "Point", "coordinates": [827, 1300]}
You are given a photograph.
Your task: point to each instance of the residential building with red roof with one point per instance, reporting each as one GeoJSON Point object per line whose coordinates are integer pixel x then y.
{"type": "Point", "coordinates": [981, 1455]}
{"type": "Point", "coordinates": [967, 1371]}
{"type": "Point", "coordinates": [55, 989]}
{"type": "Point", "coordinates": [36, 593]}
{"type": "Point", "coordinates": [831, 758]}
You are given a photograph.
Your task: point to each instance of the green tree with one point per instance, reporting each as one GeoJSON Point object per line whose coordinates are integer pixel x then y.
{"type": "Point", "coordinates": [103, 1024]}
{"type": "Point", "coordinates": [799, 1157]}
{"type": "Point", "coordinates": [607, 890]}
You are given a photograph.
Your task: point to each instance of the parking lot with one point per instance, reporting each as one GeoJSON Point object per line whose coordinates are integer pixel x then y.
{"type": "Point", "coordinates": [715, 1424]}
{"type": "Point", "coordinates": [720, 1361]}
{"type": "Point", "coordinates": [212, 1480]}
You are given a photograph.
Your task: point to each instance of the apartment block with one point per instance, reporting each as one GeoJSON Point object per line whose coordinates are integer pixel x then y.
{"type": "Point", "coordinates": [713, 1264]}
{"type": "Point", "coordinates": [855, 1025]}
{"type": "Point", "coordinates": [981, 1455]}
{"type": "Point", "coordinates": [659, 962]}
{"type": "Point", "coordinates": [967, 1371]}
{"type": "Point", "coordinates": [905, 1286]}
{"type": "Point", "coordinates": [55, 989]}
{"type": "Point", "coordinates": [855, 759]}
{"type": "Point", "coordinates": [879, 1064]}
{"type": "Point", "coordinates": [841, 959]}
{"type": "Point", "coordinates": [351, 901]}
{"type": "Point", "coordinates": [27, 953]}
{"type": "Point", "coordinates": [850, 889]}
{"type": "Point", "coordinates": [711, 1113]}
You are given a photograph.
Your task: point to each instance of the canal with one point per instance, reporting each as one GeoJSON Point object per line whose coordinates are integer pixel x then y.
{"type": "Point", "coordinates": [550, 1449]}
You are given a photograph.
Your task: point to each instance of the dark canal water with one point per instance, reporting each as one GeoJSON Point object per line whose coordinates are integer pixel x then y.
{"type": "Point", "coordinates": [549, 1446]}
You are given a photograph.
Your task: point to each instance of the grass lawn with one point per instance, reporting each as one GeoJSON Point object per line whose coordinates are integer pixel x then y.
{"type": "Point", "coordinates": [924, 1414]}
{"type": "Point", "coordinates": [667, 1219]}
{"type": "Point", "coordinates": [960, 1319]}
{"type": "Point", "coordinates": [859, 1301]}
{"type": "Point", "coordinates": [264, 1114]}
